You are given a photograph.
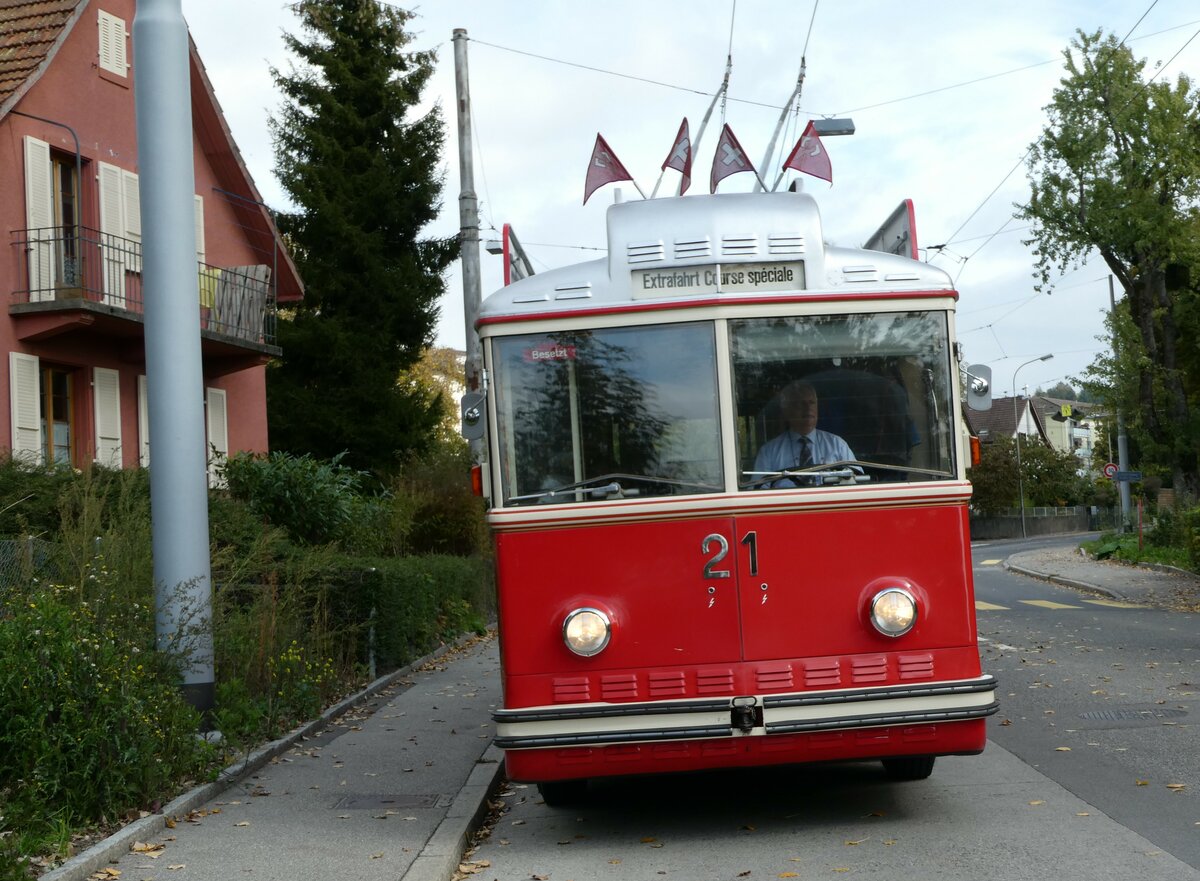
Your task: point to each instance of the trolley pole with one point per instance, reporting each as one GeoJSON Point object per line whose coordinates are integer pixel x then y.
{"type": "Point", "coordinates": [174, 369]}
{"type": "Point", "coordinates": [468, 218]}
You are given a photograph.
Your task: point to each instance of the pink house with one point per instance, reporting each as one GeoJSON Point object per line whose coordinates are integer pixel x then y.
{"type": "Point", "coordinates": [73, 330]}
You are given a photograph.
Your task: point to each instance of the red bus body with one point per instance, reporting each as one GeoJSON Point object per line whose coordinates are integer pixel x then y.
{"type": "Point", "coordinates": [737, 601]}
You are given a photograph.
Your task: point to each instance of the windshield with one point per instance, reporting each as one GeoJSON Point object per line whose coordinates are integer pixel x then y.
{"type": "Point", "coordinates": [608, 413]}
{"type": "Point", "coordinates": [817, 391]}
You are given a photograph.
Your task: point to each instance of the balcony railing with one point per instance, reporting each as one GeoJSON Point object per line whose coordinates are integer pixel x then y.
{"type": "Point", "coordinates": [78, 263]}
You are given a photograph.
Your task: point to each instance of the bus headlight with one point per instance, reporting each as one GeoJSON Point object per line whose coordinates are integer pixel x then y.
{"type": "Point", "coordinates": [586, 631]}
{"type": "Point", "coordinates": [893, 611]}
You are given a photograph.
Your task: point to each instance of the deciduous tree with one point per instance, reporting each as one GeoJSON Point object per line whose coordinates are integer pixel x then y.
{"type": "Point", "coordinates": [1117, 172]}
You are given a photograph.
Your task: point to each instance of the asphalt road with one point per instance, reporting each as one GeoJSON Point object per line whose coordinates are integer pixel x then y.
{"type": "Point", "coordinates": [1100, 697]}
{"type": "Point", "coordinates": [1082, 778]}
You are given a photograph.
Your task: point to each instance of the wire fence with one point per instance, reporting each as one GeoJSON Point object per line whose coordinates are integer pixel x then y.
{"type": "Point", "coordinates": [22, 559]}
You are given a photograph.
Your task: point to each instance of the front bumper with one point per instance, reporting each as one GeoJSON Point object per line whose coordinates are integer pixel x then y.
{"type": "Point", "coordinates": [612, 724]}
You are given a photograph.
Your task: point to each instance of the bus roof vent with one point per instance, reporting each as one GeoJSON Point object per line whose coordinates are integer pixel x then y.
{"type": "Point", "coordinates": [690, 249]}
{"type": "Point", "coordinates": [574, 291]}
{"type": "Point", "coordinates": [648, 252]}
{"type": "Point", "coordinates": [739, 246]}
{"type": "Point", "coordinates": [861, 272]}
{"type": "Point", "coordinates": [785, 243]}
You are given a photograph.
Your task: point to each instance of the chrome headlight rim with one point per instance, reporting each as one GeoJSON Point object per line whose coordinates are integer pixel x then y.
{"type": "Point", "coordinates": [590, 651]}
{"type": "Point", "coordinates": [877, 619]}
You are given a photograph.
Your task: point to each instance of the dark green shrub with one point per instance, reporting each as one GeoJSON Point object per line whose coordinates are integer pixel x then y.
{"type": "Point", "coordinates": [447, 518]}
{"type": "Point", "coordinates": [313, 500]}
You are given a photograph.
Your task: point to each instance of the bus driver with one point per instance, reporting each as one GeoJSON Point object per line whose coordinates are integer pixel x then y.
{"type": "Point", "coordinates": [802, 444]}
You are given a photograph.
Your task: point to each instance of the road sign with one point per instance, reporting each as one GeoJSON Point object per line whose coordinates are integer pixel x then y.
{"type": "Point", "coordinates": [1129, 475]}
{"type": "Point", "coordinates": [1110, 470]}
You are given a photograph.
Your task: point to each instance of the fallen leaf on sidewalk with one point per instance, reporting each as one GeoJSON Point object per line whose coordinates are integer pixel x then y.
{"type": "Point", "coordinates": [1177, 787]}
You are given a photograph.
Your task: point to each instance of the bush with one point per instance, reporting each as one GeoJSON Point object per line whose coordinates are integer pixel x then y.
{"type": "Point", "coordinates": [312, 500]}
{"type": "Point", "coordinates": [93, 724]}
{"type": "Point", "coordinates": [447, 517]}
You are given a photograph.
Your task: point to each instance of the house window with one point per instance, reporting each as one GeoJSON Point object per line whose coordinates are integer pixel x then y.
{"type": "Point", "coordinates": [65, 205]}
{"type": "Point", "coordinates": [112, 44]}
{"type": "Point", "coordinates": [57, 397]}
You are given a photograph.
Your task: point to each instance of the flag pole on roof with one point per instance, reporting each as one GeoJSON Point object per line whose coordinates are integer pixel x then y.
{"type": "Point", "coordinates": [605, 168]}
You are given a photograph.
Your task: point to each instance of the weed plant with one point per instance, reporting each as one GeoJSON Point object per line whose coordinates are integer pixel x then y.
{"type": "Point", "coordinates": [313, 579]}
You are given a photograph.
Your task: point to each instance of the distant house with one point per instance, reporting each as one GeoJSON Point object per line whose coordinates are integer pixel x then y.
{"type": "Point", "coordinates": [1066, 430]}
{"type": "Point", "coordinates": [1005, 418]}
{"type": "Point", "coordinates": [73, 330]}
{"type": "Point", "coordinates": [1070, 426]}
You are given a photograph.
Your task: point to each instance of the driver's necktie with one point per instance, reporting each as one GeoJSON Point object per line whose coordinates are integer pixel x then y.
{"type": "Point", "coordinates": [804, 453]}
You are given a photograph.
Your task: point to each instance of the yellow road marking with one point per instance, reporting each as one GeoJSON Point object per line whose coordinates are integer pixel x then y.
{"type": "Point", "coordinates": [1115, 604]}
{"type": "Point", "coordinates": [981, 606]}
{"type": "Point", "coordinates": [989, 562]}
{"type": "Point", "coordinates": [1048, 604]}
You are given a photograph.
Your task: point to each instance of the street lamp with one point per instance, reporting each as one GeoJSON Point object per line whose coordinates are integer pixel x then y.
{"type": "Point", "coordinates": [1017, 431]}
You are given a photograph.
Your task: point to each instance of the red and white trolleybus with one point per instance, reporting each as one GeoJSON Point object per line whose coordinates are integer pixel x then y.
{"type": "Point", "coordinates": [673, 597]}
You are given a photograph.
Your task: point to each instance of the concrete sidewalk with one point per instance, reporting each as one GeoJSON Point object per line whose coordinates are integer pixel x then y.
{"type": "Point", "coordinates": [387, 786]}
{"type": "Point", "coordinates": [1152, 585]}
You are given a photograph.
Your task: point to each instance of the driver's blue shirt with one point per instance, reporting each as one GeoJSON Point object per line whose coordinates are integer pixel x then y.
{"type": "Point", "coordinates": [782, 452]}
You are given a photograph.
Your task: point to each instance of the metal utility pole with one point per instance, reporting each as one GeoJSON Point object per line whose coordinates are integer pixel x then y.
{"type": "Point", "coordinates": [174, 370]}
{"type": "Point", "coordinates": [468, 217]}
{"type": "Point", "coordinates": [1122, 437]}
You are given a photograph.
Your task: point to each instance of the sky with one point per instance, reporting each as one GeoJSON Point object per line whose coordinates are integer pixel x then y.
{"type": "Point", "coordinates": [946, 98]}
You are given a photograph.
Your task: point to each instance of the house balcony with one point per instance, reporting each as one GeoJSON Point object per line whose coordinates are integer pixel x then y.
{"type": "Point", "coordinates": [74, 281]}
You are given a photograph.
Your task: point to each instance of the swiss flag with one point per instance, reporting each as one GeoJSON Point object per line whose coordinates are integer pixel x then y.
{"type": "Point", "coordinates": [809, 156]}
{"type": "Point", "coordinates": [680, 157]}
{"type": "Point", "coordinates": [604, 168]}
{"type": "Point", "coordinates": [729, 159]}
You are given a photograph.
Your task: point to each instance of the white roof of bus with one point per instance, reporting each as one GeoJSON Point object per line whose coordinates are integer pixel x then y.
{"type": "Point", "coordinates": [701, 231]}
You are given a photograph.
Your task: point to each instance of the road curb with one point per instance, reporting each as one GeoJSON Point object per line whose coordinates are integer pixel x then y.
{"type": "Point", "coordinates": [440, 856]}
{"type": "Point", "coordinates": [1067, 582]}
{"type": "Point", "coordinates": [115, 846]}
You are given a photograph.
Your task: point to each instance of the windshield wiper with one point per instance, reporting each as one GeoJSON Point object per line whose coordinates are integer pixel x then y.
{"type": "Point", "coordinates": [611, 487]}
{"type": "Point", "coordinates": [844, 471]}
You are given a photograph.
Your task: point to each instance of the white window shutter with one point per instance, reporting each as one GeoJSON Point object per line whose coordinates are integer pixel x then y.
{"type": "Point", "coordinates": [199, 229]}
{"type": "Point", "coordinates": [112, 229]}
{"type": "Point", "coordinates": [106, 397]}
{"type": "Point", "coordinates": [132, 215]}
{"type": "Point", "coordinates": [24, 385]}
{"type": "Point", "coordinates": [217, 416]}
{"type": "Point", "coordinates": [112, 44]}
{"type": "Point", "coordinates": [39, 216]}
{"type": "Point", "coordinates": [143, 422]}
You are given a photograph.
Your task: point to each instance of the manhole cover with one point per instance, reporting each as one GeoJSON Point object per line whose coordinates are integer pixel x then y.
{"type": "Point", "coordinates": [382, 802]}
{"type": "Point", "coordinates": [1149, 716]}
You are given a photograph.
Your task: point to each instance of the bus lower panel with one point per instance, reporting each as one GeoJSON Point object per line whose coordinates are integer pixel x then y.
{"type": "Point", "coordinates": [948, 738]}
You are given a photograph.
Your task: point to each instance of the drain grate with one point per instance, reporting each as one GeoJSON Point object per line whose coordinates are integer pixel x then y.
{"type": "Point", "coordinates": [382, 802]}
{"type": "Point", "coordinates": [1154, 714]}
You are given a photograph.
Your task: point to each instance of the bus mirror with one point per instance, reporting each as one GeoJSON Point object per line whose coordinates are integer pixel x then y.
{"type": "Point", "coordinates": [979, 387]}
{"type": "Point", "coordinates": [473, 423]}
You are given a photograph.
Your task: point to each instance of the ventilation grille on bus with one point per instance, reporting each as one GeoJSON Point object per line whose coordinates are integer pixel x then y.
{"type": "Point", "coordinates": [690, 249]}
{"type": "Point", "coordinates": [649, 252]}
{"type": "Point", "coordinates": [860, 273]}
{"type": "Point", "coordinates": [739, 246]}
{"type": "Point", "coordinates": [785, 244]}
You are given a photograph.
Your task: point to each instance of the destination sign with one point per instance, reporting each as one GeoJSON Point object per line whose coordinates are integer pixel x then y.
{"type": "Point", "coordinates": [733, 278]}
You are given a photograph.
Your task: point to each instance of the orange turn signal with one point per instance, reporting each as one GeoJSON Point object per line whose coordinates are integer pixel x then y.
{"type": "Point", "coordinates": [477, 480]}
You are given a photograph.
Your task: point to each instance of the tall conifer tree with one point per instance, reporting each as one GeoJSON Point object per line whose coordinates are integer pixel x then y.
{"type": "Point", "coordinates": [364, 173]}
